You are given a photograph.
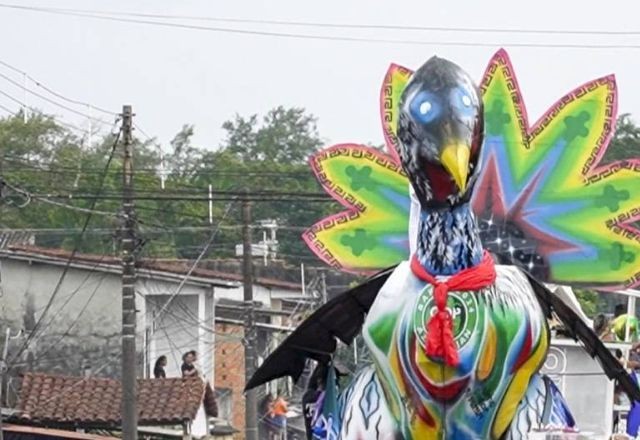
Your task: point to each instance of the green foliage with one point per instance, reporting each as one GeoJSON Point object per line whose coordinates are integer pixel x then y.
{"type": "Point", "coordinates": [44, 157]}
{"type": "Point", "coordinates": [590, 301]}
{"type": "Point", "coordinates": [258, 154]}
{"type": "Point", "coordinates": [626, 142]}
{"type": "Point", "coordinates": [286, 136]}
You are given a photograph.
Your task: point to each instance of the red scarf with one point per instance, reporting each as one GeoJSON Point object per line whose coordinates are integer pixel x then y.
{"type": "Point", "coordinates": [440, 342]}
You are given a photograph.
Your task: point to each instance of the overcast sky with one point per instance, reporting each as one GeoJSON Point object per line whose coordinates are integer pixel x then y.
{"type": "Point", "coordinates": [176, 76]}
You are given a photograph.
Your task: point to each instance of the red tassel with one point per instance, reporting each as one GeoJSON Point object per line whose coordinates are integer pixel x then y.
{"type": "Point", "coordinates": [434, 330]}
{"type": "Point", "coordinates": [440, 342]}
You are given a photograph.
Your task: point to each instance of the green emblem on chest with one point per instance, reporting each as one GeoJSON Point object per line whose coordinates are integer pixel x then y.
{"type": "Point", "coordinates": [463, 307]}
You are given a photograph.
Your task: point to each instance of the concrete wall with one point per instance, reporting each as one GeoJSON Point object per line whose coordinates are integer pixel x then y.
{"type": "Point", "coordinates": [185, 324]}
{"type": "Point", "coordinates": [81, 331]}
{"type": "Point", "coordinates": [82, 327]}
{"type": "Point", "coordinates": [260, 294]}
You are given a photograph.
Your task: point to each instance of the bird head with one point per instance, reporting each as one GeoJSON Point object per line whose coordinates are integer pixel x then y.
{"type": "Point", "coordinates": [440, 129]}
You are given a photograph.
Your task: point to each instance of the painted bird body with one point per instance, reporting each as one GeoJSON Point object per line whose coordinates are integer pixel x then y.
{"type": "Point", "coordinates": [454, 351]}
{"type": "Point", "coordinates": [456, 340]}
{"type": "Point", "coordinates": [502, 339]}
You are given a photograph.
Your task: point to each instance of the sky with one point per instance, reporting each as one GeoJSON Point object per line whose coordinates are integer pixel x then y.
{"type": "Point", "coordinates": [177, 76]}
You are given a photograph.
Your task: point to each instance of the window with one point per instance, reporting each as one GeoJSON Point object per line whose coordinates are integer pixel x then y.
{"type": "Point", "coordinates": [224, 396]}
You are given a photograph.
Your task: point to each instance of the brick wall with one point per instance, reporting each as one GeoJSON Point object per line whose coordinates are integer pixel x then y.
{"type": "Point", "coordinates": [229, 370]}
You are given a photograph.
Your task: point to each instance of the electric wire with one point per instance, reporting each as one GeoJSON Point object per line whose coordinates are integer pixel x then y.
{"type": "Point", "coordinates": [403, 27]}
{"type": "Point", "coordinates": [302, 36]}
{"type": "Point", "coordinates": [8, 110]}
{"type": "Point", "coordinates": [53, 92]}
{"type": "Point", "coordinates": [73, 323]}
{"type": "Point", "coordinates": [195, 264]}
{"type": "Point", "coordinates": [34, 333]}
{"type": "Point", "coordinates": [51, 101]}
{"type": "Point", "coordinates": [55, 118]}
{"type": "Point", "coordinates": [47, 200]}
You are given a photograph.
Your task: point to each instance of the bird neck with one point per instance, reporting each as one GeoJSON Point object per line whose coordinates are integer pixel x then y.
{"type": "Point", "coordinates": [448, 240]}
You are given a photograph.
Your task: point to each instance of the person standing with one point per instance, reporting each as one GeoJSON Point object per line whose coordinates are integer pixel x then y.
{"type": "Point", "coordinates": [280, 410]}
{"type": "Point", "coordinates": [188, 368]}
{"type": "Point", "coordinates": [266, 427]}
{"type": "Point", "coordinates": [311, 396]}
{"type": "Point", "coordinates": [158, 369]}
{"type": "Point", "coordinates": [623, 322]}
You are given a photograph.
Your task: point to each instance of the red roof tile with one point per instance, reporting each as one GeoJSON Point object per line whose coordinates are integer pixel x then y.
{"type": "Point", "coordinates": [178, 267]}
{"type": "Point", "coordinates": [92, 401]}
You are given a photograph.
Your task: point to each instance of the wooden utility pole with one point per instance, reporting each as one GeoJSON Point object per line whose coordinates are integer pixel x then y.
{"type": "Point", "coordinates": [3, 368]}
{"type": "Point", "coordinates": [128, 376]}
{"type": "Point", "coordinates": [251, 404]}
{"type": "Point", "coordinates": [3, 371]}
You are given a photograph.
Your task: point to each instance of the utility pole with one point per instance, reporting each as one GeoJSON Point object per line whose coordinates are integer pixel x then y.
{"type": "Point", "coordinates": [3, 368]}
{"type": "Point", "coordinates": [323, 278]}
{"type": "Point", "coordinates": [3, 373]}
{"type": "Point", "coordinates": [128, 375]}
{"type": "Point", "coordinates": [251, 404]}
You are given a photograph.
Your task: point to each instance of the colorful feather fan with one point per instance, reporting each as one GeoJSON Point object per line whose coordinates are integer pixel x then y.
{"type": "Point", "coordinates": [544, 200]}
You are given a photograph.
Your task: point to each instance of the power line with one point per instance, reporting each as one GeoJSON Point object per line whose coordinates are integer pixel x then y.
{"type": "Point", "coordinates": [169, 340]}
{"type": "Point", "coordinates": [199, 172]}
{"type": "Point", "coordinates": [217, 196]}
{"type": "Point", "coordinates": [35, 110]}
{"type": "Point", "coordinates": [319, 37]}
{"type": "Point", "coordinates": [16, 100]}
{"type": "Point", "coordinates": [295, 23]}
{"type": "Point", "coordinates": [49, 100]}
{"type": "Point", "coordinates": [159, 228]}
{"type": "Point", "coordinates": [258, 198]}
{"type": "Point", "coordinates": [77, 318]}
{"type": "Point", "coordinates": [46, 200]}
{"type": "Point", "coordinates": [194, 265]}
{"type": "Point", "coordinates": [149, 138]}
{"type": "Point", "coordinates": [8, 110]}
{"type": "Point", "coordinates": [54, 93]}
{"type": "Point", "coordinates": [232, 173]}
{"type": "Point", "coordinates": [186, 194]}
{"type": "Point", "coordinates": [58, 285]}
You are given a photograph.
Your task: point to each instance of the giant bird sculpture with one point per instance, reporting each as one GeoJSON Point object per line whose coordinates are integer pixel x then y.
{"type": "Point", "coordinates": [456, 339]}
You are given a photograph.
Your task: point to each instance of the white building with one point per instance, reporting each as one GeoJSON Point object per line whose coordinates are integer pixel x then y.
{"type": "Point", "coordinates": [80, 331]}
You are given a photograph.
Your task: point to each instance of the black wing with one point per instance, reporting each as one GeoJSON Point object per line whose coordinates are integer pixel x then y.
{"type": "Point", "coordinates": [342, 318]}
{"type": "Point", "coordinates": [581, 331]}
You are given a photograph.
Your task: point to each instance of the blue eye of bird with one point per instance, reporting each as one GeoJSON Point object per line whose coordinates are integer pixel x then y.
{"type": "Point", "coordinates": [461, 100]}
{"type": "Point", "coordinates": [424, 107]}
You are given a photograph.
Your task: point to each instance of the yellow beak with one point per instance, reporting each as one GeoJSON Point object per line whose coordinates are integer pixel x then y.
{"type": "Point", "coordinates": [455, 159]}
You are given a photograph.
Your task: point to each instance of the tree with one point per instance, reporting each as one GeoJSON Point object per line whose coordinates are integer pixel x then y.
{"type": "Point", "coordinates": [258, 154]}
{"type": "Point", "coordinates": [273, 157]}
{"type": "Point", "coordinates": [590, 301]}
{"type": "Point", "coordinates": [626, 140]}
{"type": "Point", "coordinates": [24, 147]}
{"type": "Point", "coordinates": [286, 136]}
{"type": "Point", "coordinates": [44, 157]}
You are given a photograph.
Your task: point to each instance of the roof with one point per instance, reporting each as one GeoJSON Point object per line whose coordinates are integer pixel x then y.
{"type": "Point", "coordinates": [46, 432]}
{"type": "Point", "coordinates": [174, 267]}
{"type": "Point", "coordinates": [93, 401]}
{"type": "Point", "coordinates": [12, 237]}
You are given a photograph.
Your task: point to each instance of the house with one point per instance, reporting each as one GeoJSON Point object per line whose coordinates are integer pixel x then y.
{"type": "Point", "coordinates": [12, 237]}
{"type": "Point", "coordinates": [80, 333]}
{"type": "Point", "coordinates": [24, 432]}
{"type": "Point", "coordinates": [69, 402]}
